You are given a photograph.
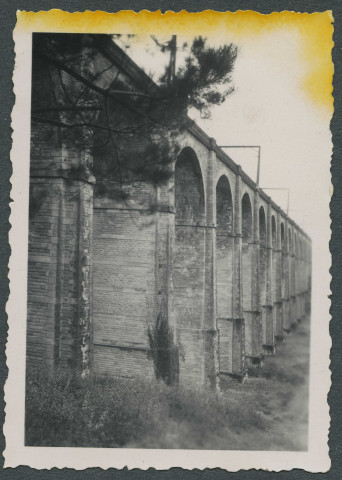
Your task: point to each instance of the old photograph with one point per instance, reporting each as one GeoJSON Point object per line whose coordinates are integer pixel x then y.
{"type": "Point", "coordinates": [175, 194]}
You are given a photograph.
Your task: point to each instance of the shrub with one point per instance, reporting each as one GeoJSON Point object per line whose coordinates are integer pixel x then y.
{"type": "Point", "coordinates": [279, 373]}
{"type": "Point", "coordinates": [163, 351]}
{"type": "Point", "coordinates": [64, 409]}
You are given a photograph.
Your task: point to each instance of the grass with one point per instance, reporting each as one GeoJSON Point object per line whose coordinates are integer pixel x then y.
{"type": "Point", "coordinates": [269, 412]}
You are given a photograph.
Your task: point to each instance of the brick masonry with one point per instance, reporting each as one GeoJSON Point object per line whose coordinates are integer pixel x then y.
{"type": "Point", "coordinates": [227, 269]}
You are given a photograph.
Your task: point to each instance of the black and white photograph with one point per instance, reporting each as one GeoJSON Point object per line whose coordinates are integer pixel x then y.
{"type": "Point", "coordinates": [171, 185]}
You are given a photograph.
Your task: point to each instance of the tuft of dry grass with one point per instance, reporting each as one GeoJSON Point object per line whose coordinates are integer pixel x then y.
{"type": "Point", "coordinates": [268, 412]}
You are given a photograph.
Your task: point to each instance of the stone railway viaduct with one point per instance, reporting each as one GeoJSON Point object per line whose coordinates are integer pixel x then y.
{"type": "Point", "coordinates": [219, 259]}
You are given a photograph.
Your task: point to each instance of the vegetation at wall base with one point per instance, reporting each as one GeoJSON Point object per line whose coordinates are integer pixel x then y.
{"type": "Point", "coordinates": [269, 412]}
{"type": "Point", "coordinates": [163, 352]}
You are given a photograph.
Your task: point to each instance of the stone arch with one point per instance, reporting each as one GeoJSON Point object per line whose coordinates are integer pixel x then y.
{"type": "Point", "coordinates": [274, 232]}
{"type": "Point", "coordinates": [291, 277]}
{"type": "Point", "coordinates": [282, 247]}
{"type": "Point", "coordinates": [289, 240]}
{"type": "Point", "coordinates": [189, 263]}
{"type": "Point", "coordinates": [300, 277]}
{"type": "Point", "coordinates": [305, 250]}
{"type": "Point", "coordinates": [247, 219]}
{"type": "Point", "coordinates": [247, 258]}
{"type": "Point", "coordinates": [301, 254]}
{"type": "Point", "coordinates": [282, 236]}
{"type": "Point", "coordinates": [224, 205]}
{"type": "Point", "coordinates": [263, 254]}
{"type": "Point", "coordinates": [262, 226]}
{"type": "Point", "coordinates": [295, 263]}
{"type": "Point", "coordinates": [274, 258]}
{"type": "Point", "coordinates": [263, 271]}
{"type": "Point", "coordinates": [189, 189]}
{"type": "Point", "coordinates": [224, 271]}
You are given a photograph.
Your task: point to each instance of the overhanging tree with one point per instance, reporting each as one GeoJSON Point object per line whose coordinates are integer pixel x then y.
{"type": "Point", "coordinates": [131, 125]}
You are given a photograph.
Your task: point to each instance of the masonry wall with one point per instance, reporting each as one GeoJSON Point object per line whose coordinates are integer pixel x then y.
{"type": "Point", "coordinates": [59, 284]}
{"type": "Point", "coordinates": [208, 253]}
{"type": "Point", "coordinates": [123, 288]}
{"type": "Point", "coordinates": [44, 234]}
{"type": "Point", "coordinates": [59, 271]}
{"type": "Point", "coordinates": [141, 264]}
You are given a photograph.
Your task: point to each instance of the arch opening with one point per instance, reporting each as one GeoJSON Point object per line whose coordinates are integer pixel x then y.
{"type": "Point", "coordinates": [282, 236]}
{"type": "Point", "coordinates": [263, 272]}
{"type": "Point", "coordinates": [274, 232]}
{"type": "Point", "coordinates": [274, 260]}
{"type": "Point", "coordinates": [189, 189]}
{"type": "Point", "coordinates": [246, 219]}
{"type": "Point", "coordinates": [247, 237]}
{"type": "Point", "coordinates": [291, 276]}
{"type": "Point", "coordinates": [289, 239]}
{"type": "Point", "coordinates": [263, 255]}
{"type": "Point", "coordinates": [189, 263]}
{"type": "Point", "coordinates": [282, 246]}
{"type": "Point", "coordinates": [285, 319]}
{"type": "Point", "coordinates": [224, 271]}
{"type": "Point", "coordinates": [262, 227]}
{"type": "Point", "coordinates": [224, 206]}
{"type": "Point", "coordinates": [295, 265]}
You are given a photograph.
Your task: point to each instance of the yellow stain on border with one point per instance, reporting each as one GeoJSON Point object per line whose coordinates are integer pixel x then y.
{"type": "Point", "coordinates": [315, 31]}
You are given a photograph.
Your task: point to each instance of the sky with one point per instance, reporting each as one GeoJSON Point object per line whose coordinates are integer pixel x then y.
{"type": "Point", "coordinates": [269, 107]}
{"type": "Point", "coordinates": [283, 90]}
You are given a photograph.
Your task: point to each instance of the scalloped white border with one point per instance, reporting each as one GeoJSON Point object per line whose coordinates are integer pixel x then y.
{"type": "Point", "coordinates": [315, 460]}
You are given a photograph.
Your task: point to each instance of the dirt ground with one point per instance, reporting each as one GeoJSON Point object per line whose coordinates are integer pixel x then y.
{"type": "Point", "coordinates": [268, 412]}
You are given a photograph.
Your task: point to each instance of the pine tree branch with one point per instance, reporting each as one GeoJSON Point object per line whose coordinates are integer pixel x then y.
{"type": "Point", "coordinates": [65, 109]}
{"type": "Point", "coordinates": [114, 95]}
